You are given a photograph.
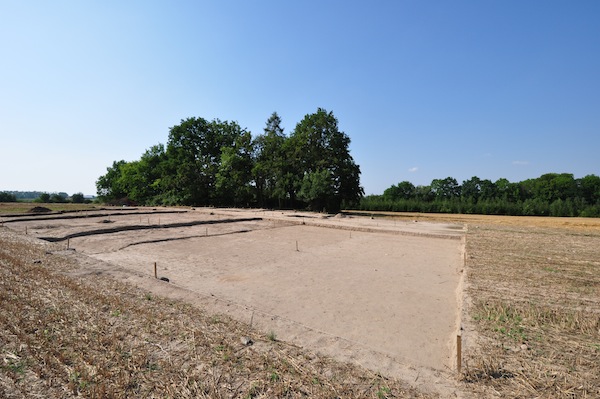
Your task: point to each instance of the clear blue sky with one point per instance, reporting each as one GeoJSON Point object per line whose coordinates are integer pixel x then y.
{"type": "Point", "coordinates": [424, 89]}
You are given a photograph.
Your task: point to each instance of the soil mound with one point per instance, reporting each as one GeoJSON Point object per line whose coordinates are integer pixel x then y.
{"type": "Point", "coordinates": [39, 209]}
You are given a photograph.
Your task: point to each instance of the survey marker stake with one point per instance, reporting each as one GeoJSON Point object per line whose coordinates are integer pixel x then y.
{"type": "Point", "coordinates": [458, 353]}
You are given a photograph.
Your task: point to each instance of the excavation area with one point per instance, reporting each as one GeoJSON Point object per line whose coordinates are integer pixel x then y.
{"type": "Point", "coordinates": [381, 293]}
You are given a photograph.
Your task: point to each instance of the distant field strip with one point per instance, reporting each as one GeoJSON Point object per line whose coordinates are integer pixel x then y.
{"type": "Point", "coordinates": [28, 217]}
{"type": "Point", "coordinates": [146, 227]}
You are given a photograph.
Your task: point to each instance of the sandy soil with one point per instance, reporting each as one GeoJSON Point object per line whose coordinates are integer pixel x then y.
{"type": "Point", "coordinates": [381, 293]}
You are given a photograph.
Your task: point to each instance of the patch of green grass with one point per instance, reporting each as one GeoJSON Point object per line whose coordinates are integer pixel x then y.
{"type": "Point", "coordinates": [15, 365]}
{"type": "Point", "coordinates": [78, 382]}
{"type": "Point", "coordinates": [271, 336]}
{"type": "Point", "coordinates": [504, 320]}
{"type": "Point", "coordinates": [383, 392]}
{"type": "Point", "coordinates": [517, 333]}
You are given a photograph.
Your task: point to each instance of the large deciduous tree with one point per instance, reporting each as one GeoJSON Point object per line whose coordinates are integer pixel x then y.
{"type": "Point", "coordinates": [445, 188]}
{"type": "Point", "coordinates": [403, 190]}
{"type": "Point", "coordinates": [270, 163]}
{"type": "Point", "coordinates": [319, 156]}
{"type": "Point", "coordinates": [232, 182]}
{"type": "Point", "coordinates": [194, 154]}
{"type": "Point", "coordinates": [109, 186]}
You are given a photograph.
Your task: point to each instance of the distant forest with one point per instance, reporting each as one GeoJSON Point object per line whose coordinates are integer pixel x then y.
{"type": "Point", "coordinates": [552, 194]}
{"type": "Point", "coordinates": [40, 196]}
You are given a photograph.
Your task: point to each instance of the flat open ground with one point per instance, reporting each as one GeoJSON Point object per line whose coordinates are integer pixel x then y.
{"type": "Point", "coordinates": [72, 322]}
{"type": "Point", "coordinates": [382, 293]}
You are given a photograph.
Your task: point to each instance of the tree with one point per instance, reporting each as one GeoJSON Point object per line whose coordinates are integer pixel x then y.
{"type": "Point", "coordinates": [270, 163]}
{"type": "Point", "coordinates": [507, 191]}
{"type": "Point", "coordinates": [318, 152]}
{"type": "Point", "coordinates": [403, 190]}
{"type": "Point", "coordinates": [194, 151]}
{"type": "Point", "coordinates": [77, 198]}
{"type": "Point", "coordinates": [141, 179]}
{"type": "Point", "coordinates": [589, 188]}
{"type": "Point", "coordinates": [44, 198]}
{"type": "Point", "coordinates": [58, 197]}
{"type": "Point", "coordinates": [471, 188]}
{"type": "Point", "coordinates": [550, 194]}
{"type": "Point", "coordinates": [317, 189]}
{"type": "Point", "coordinates": [445, 188]}
{"type": "Point", "coordinates": [487, 189]}
{"type": "Point", "coordinates": [7, 197]}
{"type": "Point", "coordinates": [109, 186]}
{"type": "Point", "coordinates": [234, 174]}
{"type": "Point", "coordinates": [218, 163]}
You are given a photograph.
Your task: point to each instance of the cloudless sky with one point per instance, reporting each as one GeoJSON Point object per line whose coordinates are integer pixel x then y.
{"type": "Point", "coordinates": [424, 89]}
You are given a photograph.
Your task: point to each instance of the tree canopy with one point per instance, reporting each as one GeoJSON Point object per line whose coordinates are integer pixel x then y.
{"type": "Point", "coordinates": [219, 163]}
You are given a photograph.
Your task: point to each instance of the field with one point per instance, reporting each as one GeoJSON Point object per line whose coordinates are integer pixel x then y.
{"type": "Point", "coordinates": [93, 320]}
{"type": "Point", "coordinates": [531, 314]}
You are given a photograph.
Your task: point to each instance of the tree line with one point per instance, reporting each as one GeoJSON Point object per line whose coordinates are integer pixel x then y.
{"type": "Point", "coordinates": [40, 196]}
{"type": "Point", "coordinates": [217, 163]}
{"type": "Point", "coordinates": [552, 194]}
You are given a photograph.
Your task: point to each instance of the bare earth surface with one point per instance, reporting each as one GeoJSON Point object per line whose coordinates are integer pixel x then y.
{"type": "Point", "coordinates": [383, 294]}
{"type": "Point", "coordinates": [83, 315]}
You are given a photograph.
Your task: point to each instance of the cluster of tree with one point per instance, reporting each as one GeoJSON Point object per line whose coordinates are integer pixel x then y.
{"type": "Point", "coordinates": [40, 196]}
{"type": "Point", "coordinates": [220, 164]}
{"type": "Point", "coordinates": [6, 196]}
{"type": "Point", "coordinates": [27, 195]}
{"type": "Point", "coordinates": [77, 198]}
{"type": "Point", "coordinates": [551, 194]}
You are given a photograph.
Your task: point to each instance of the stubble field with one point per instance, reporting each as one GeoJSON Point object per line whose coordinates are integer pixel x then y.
{"type": "Point", "coordinates": [70, 326]}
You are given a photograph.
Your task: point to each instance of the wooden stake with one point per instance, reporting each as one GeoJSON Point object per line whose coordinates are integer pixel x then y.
{"type": "Point", "coordinates": [155, 275]}
{"type": "Point", "coordinates": [458, 352]}
{"type": "Point", "coordinates": [25, 230]}
{"type": "Point", "coordinates": [68, 243]}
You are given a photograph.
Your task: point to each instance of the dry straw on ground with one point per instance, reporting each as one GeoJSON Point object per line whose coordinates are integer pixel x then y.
{"type": "Point", "coordinates": [531, 319]}
{"type": "Point", "coordinates": [62, 336]}
{"type": "Point", "coordinates": [535, 304]}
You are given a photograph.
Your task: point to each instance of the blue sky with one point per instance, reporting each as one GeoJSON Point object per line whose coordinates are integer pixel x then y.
{"type": "Point", "coordinates": [424, 89]}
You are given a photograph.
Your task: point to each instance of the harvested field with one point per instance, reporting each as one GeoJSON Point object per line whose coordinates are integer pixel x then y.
{"type": "Point", "coordinates": [530, 320]}
{"type": "Point", "coordinates": [533, 313]}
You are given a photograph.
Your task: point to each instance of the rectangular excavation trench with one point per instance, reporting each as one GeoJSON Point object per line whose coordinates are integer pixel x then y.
{"type": "Point", "coordinates": [327, 289]}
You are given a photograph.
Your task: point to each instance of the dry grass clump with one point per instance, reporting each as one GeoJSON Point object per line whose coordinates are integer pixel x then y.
{"type": "Point", "coordinates": [64, 336]}
{"type": "Point", "coordinates": [535, 296]}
